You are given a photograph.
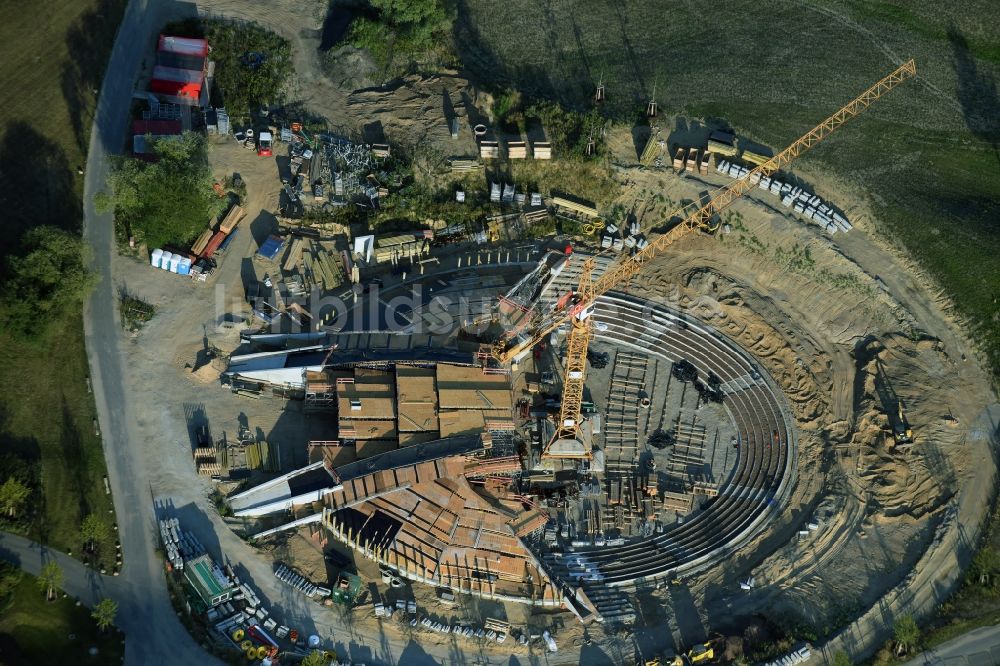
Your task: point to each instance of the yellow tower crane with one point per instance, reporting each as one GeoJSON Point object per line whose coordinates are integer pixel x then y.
{"type": "Point", "coordinates": [567, 441]}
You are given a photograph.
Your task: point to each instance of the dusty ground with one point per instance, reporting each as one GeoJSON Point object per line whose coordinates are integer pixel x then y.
{"type": "Point", "coordinates": [816, 325]}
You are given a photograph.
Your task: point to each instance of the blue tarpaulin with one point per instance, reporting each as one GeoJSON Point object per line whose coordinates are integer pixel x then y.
{"type": "Point", "coordinates": [271, 247]}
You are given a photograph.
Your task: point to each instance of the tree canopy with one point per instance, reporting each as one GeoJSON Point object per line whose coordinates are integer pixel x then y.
{"type": "Point", "coordinates": [104, 613]}
{"type": "Point", "coordinates": [906, 632]}
{"type": "Point", "coordinates": [43, 277]}
{"type": "Point", "coordinates": [95, 528]}
{"type": "Point", "coordinates": [401, 28]}
{"type": "Point", "coordinates": [13, 495]}
{"type": "Point", "coordinates": [167, 201]}
{"type": "Point", "coordinates": [50, 577]}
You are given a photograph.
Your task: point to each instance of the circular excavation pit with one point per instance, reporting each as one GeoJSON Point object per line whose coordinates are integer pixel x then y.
{"type": "Point", "coordinates": [697, 449]}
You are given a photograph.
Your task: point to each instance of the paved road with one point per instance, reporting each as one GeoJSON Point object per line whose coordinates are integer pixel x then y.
{"type": "Point", "coordinates": [154, 633]}
{"type": "Point", "coordinates": [979, 647]}
{"type": "Point", "coordinates": [81, 581]}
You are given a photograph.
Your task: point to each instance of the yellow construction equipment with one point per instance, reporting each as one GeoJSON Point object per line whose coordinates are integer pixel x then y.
{"type": "Point", "coordinates": [694, 216]}
{"type": "Point", "coordinates": [700, 654]}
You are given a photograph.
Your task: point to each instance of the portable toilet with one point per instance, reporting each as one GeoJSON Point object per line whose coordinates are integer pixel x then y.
{"type": "Point", "coordinates": [156, 258]}
{"type": "Point", "coordinates": [165, 260]}
{"type": "Point", "coordinates": [175, 262]}
{"type": "Point", "coordinates": [185, 267]}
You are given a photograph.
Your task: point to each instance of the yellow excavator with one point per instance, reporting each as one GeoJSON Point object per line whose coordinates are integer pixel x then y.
{"type": "Point", "coordinates": [702, 653]}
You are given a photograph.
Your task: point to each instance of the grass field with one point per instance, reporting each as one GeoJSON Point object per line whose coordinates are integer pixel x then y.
{"type": "Point", "coordinates": [51, 63]}
{"type": "Point", "coordinates": [34, 631]}
{"type": "Point", "coordinates": [927, 156]}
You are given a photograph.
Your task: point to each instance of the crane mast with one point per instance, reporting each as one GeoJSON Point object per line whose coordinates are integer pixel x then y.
{"type": "Point", "coordinates": [506, 350]}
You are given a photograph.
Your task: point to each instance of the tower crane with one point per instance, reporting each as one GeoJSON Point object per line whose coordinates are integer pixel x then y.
{"type": "Point", "coordinates": [567, 441]}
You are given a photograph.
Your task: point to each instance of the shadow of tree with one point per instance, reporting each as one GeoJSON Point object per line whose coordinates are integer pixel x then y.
{"type": "Point", "coordinates": [89, 42]}
{"type": "Point", "coordinates": [36, 185]}
{"type": "Point", "coordinates": [977, 93]}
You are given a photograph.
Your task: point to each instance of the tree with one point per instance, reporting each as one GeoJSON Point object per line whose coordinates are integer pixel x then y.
{"type": "Point", "coordinates": [50, 578]}
{"type": "Point", "coordinates": [13, 495]}
{"type": "Point", "coordinates": [94, 529]}
{"type": "Point", "coordinates": [45, 275]}
{"type": "Point", "coordinates": [314, 658]}
{"type": "Point", "coordinates": [404, 27]}
{"type": "Point", "coordinates": [167, 201]}
{"type": "Point", "coordinates": [104, 613]}
{"type": "Point", "coordinates": [906, 632]}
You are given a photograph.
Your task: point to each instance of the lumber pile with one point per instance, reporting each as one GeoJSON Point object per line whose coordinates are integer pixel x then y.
{"type": "Point", "coordinates": [654, 148]}
{"type": "Point", "coordinates": [489, 150]}
{"type": "Point", "coordinates": [233, 217]}
{"type": "Point", "coordinates": [324, 267]}
{"type": "Point", "coordinates": [541, 150]}
{"type": "Point", "coordinates": [582, 208]}
{"type": "Point", "coordinates": [462, 165]}
{"type": "Point", "coordinates": [517, 150]}
{"type": "Point", "coordinates": [202, 242]}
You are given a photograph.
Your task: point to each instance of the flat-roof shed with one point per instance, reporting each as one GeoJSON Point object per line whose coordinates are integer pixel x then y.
{"type": "Point", "coordinates": [182, 52]}
{"type": "Point", "coordinates": [208, 581]}
{"type": "Point", "coordinates": [181, 85]}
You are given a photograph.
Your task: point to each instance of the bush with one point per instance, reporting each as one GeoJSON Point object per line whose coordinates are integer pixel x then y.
{"type": "Point", "coordinates": [569, 131]}
{"type": "Point", "coordinates": [169, 201]}
{"type": "Point", "coordinates": [401, 29]}
{"type": "Point", "coordinates": [43, 278]}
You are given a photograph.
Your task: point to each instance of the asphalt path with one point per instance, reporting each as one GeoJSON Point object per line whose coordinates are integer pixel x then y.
{"type": "Point", "coordinates": [154, 634]}
{"type": "Point", "coordinates": [979, 647]}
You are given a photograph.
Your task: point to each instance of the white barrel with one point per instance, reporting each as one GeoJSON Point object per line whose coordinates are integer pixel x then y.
{"type": "Point", "coordinates": [157, 257]}
{"type": "Point", "coordinates": [165, 260]}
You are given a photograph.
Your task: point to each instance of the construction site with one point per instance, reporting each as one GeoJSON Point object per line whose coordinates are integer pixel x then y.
{"type": "Point", "coordinates": [644, 431]}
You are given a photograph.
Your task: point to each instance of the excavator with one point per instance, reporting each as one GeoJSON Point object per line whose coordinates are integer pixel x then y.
{"type": "Point", "coordinates": [902, 434]}
{"type": "Point", "coordinates": [568, 441]}
{"type": "Point", "coordinates": [705, 653]}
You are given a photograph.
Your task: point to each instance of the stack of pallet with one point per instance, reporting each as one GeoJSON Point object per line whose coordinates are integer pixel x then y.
{"type": "Point", "coordinates": [206, 462]}
{"type": "Point", "coordinates": [489, 150]}
{"type": "Point", "coordinates": [692, 160]}
{"type": "Point", "coordinates": [517, 150]}
{"type": "Point", "coordinates": [541, 150]}
{"type": "Point", "coordinates": [679, 159]}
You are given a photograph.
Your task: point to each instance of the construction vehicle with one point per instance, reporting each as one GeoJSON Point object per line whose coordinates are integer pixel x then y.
{"type": "Point", "coordinates": [568, 442]}
{"type": "Point", "coordinates": [902, 434]}
{"type": "Point", "coordinates": [264, 140]}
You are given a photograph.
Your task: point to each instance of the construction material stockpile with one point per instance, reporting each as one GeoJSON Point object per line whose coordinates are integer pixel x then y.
{"type": "Point", "coordinates": [299, 582]}
{"type": "Point", "coordinates": [178, 544]}
{"type": "Point", "coordinates": [801, 201]}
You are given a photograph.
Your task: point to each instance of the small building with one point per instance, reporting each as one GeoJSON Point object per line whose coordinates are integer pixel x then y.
{"type": "Point", "coordinates": [154, 129]}
{"type": "Point", "coordinates": [177, 86]}
{"type": "Point", "coordinates": [209, 581]}
{"type": "Point", "coordinates": [182, 53]}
